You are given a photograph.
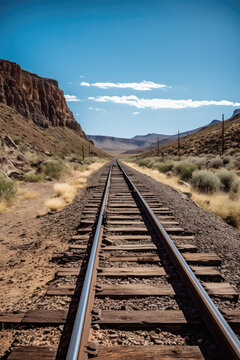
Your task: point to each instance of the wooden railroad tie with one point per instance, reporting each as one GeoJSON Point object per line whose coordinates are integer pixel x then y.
{"type": "Point", "coordinates": [124, 291]}
{"type": "Point", "coordinates": [116, 318]}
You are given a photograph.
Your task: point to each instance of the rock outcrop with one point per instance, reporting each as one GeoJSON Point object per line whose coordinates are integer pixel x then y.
{"type": "Point", "coordinates": [36, 98]}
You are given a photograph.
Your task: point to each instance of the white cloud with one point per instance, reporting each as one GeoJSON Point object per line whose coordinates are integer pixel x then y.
{"type": "Point", "coordinates": [96, 109]}
{"type": "Point", "coordinates": [155, 104]}
{"type": "Point", "coordinates": [143, 85]}
{"type": "Point", "coordinates": [71, 98]}
{"type": "Point", "coordinates": [81, 76]}
{"type": "Point", "coordinates": [136, 113]}
{"type": "Point", "coordinates": [83, 83]}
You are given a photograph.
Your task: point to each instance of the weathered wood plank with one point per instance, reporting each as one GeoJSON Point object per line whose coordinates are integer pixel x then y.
{"type": "Point", "coordinates": [233, 318]}
{"type": "Point", "coordinates": [134, 271]}
{"type": "Point", "coordinates": [135, 222]}
{"type": "Point", "coordinates": [149, 258]}
{"type": "Point", "coordinates": [143, 318]}
{"type": "Point", "coordinates": [117, 290]}
{"type": "Point", "coordinates": [220, 289]}
{"type": "Point", "coordinates": [128, 229]}
{"type": "Point", "coordinates": [125, 222]}
{"type": "Point", "coordinates": [152, 352]}
{"type": "Point", "coordinates": [202, 258]}
{"type": "Point", "coordinates": [68, 272]}
{"type": "Point", "coordinates": [45, 316]}
{"type": "Point", "coordinates": [128, 237]}
{"type": "Point", "coordinates": [134, 290]}
{"type": "Point", "coordinates": [206, 272]}
{"type": "Point", "coordinates": [145, 247]}
{"type": "Point", "coordinates": [182, 237]}
{"type": "Point", "coordinates": [11, 318]}
{"type": "Point", "coordinates": [78, 247]}
{"type": "Point", "coordinates": [139, 317]}
{"type": "Point", "coordinates": [67, 290]}
{"type": "Point", "coordinates": [123, 205]}
{"type": "Point", "coordinates": [124, 211]}
{"type": "Point", "coordinates": [33, 353]}
{"type": "Point", "coordinates": [202, 272]}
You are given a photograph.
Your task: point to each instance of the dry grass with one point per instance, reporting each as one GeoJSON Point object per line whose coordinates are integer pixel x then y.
{"type": "Point", "coordinates": [55, 204]}
{"type": "Point", "coordinates": [222, 205]}
{"type": "Point", "coordinates": [225, 205]}
{"type": "Point", "coordinates": [3, 206]}
{"type": "Point", "coordinates": [67, 191]}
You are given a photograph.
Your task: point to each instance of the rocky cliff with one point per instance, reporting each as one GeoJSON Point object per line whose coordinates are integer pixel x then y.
{"type": "Point", "coordinates": [36, 98]}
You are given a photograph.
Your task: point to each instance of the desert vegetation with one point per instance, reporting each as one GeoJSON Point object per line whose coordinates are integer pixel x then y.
{"type": "Point", "coordinates": [66, 191]}
{"type": "Point", "coordinates": [8, 192]}
{"type": "Point", "coordinates": [212, 181]}
{"type": "Point", "coordinates": [71, 171]}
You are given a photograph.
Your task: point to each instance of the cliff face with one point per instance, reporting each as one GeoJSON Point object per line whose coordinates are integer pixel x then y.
{"type": "Point", "coordinates": [34, 97]}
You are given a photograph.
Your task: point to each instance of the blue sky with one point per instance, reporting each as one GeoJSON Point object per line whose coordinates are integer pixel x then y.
{"type": "Point", "coordinates": [189, 48]}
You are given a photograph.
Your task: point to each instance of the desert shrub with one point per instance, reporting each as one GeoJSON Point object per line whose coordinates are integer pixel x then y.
{"type": "Point", "coordinates": [216, 162]}
{"type": "Point", "coordinates": [23, 148]}
{"type": "Point", "coordinates": [144, 162]}
{"type": "Point", "coordinates": [185, 170]}
{"type": "Point", "coordinates": [17, 141]}
{"type": "Point", "coordinates": [231, 151]}
{"type": "Point", "coordinates": [226, 159]}
{"type": "Point", "coordinates": [199, 161]}
{"type": "Point", "coordinates": [91, 160]}
{"type": "Point", "coordinates": [205, 181]}
{"type": "Point", "coordinates": [237, 159]}
{"type": "Point", "coordinates": [33, 177]}
{"type": "Point", "coordinates": [7, 190]}
{"type": "Point", "coordinates": [53, 169]}
{"type": "Point", "coordinates": [165, 166]}
{"type": "Point", "coordinates": [233, 164]}
{"type": "Point", "coordinates": [229, 180]}
{"type": "Point", "coordinates": [60, 155]}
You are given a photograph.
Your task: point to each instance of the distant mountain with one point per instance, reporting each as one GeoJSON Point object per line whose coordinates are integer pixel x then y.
{"type": "Point", "coordinates": [207, 140]}
{"type": "Point", "coordinates": [138, 143]}
{"type": "Point", "coordinates": [236, 112]}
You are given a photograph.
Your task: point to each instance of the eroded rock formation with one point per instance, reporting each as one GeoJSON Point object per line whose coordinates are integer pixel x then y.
{"type": "Point", "coordinates": [36, 98]}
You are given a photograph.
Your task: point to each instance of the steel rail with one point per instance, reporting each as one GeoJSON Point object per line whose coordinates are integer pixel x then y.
{"type": "Point", "coordinates": [217, 325]}
{"type": "Point", "coordinates": [77, 332]}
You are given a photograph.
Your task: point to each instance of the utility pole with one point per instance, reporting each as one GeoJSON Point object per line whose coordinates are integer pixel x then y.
{"type": "Point", "coordinates": [178, 142]}
{"type": "Point", "coordinates": [158, 147]}
{"type": "Point", "coordinates": [223, 129]}
{"type": "Point", "coordinates": [83, 153]}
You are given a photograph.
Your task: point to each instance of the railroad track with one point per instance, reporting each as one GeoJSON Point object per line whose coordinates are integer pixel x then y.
{"type": "Point", "coordinates": [143, 286]}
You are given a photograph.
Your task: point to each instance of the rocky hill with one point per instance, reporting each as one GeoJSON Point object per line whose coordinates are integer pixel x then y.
{"type": "Point", "coordinates": [34, 97]}
{"type": "Point", "coordinates": [34, 112]}
{"type": "Point", "coordinates": [34, 117]}
{"type": "Point", "coordinates": [137, 144]}
{"type": "Point", "coordinates": [208, 140]}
